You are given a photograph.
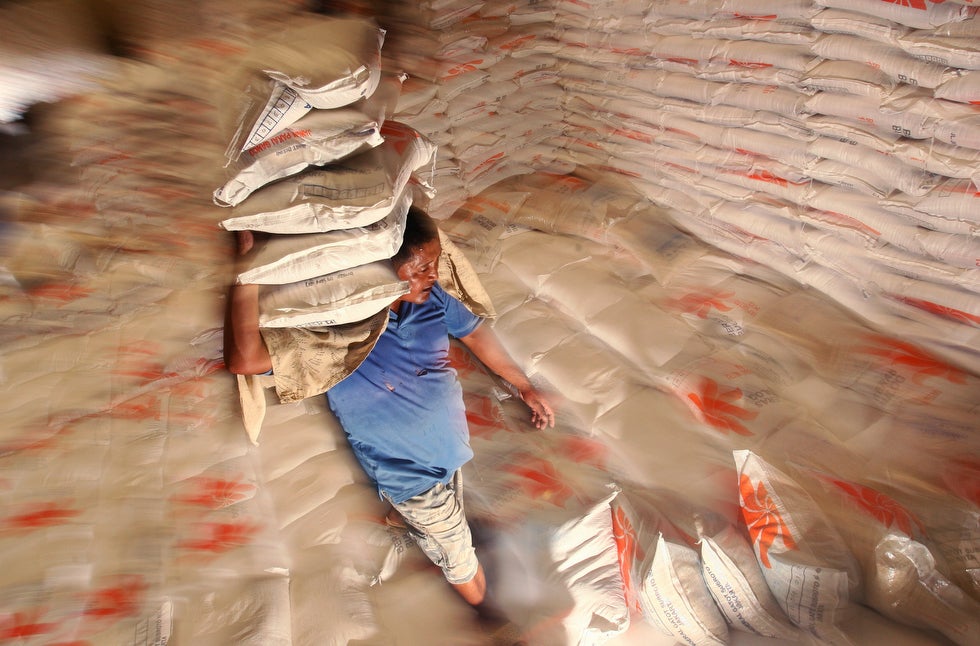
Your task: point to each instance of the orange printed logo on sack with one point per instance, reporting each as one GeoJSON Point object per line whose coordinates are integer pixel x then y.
{"type": "Point", "coordinates": [399, 135]}
{"type": "Point", "coordinates": [847, 221]}
{"type": "Point", "coordinates": [518, 42]}
{"type": "Point", "coordinates": [768, 176]}
{"type": "Point", "coordinates": [941, 310]}
{"type": "Point", "coordinates": [139, 360]}
{"type": "Point", "coordinates": [463, 361]}
{"type": "Point", "coordinates": [18, 625]}
{"type": "Point", "coordinates": [40, 515]}
{"type": "Point", "coordinates": [963, 479]}
{"type": "Point", "coordinates": [628, 551]}
{"type": "Point", "coordinates": [701, 303]}
{"type": "Point", "coordinates": [141, 408]}
{"type": "Point", "coordinates": [914, 4]}
{"type": "Point", "coordinates": [882, 508]}
{"type": "Point", "coordinates": [583, 450]}
{"type": "Point", "coordinates": [762, 518]}
{"type": "Point", "coordinates": [462, 68]}
{"type": "Point", "coordinates": [64, 292]}
{"type": "Point", "coordinates": [541, 480]}
{"type": "Point", "coordinates": [715, 407]}
{"type": "Point", "coordinates": [483, 416]}
{"type": "Point", "coordinates": [221, 537]}
{"type": "Point", "coordinates": [748, 64]}
{"type": "Point", "coordinates": [215, 493]}
{"type": "Point", "coordinates": [923, 364]}
{"type": "Point", "coordinates": [121, 600]}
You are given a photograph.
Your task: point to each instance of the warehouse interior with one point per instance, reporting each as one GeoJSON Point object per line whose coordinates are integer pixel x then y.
{"type": "Point", "coordinates": [737, 241]}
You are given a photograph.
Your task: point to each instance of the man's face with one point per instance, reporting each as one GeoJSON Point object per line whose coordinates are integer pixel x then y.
{"type": "Point", "coordinates": [421, 271]}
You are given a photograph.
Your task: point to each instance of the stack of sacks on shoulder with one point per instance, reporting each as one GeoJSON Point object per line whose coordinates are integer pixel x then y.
{"type": "Point", "coordinates": [317, 170]}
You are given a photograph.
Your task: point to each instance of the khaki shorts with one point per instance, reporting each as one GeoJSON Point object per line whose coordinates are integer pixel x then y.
{"type": "Point", "coordinates": [437, 523]}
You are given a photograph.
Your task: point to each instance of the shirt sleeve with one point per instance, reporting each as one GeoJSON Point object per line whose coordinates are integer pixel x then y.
{"type": "Point", "coordinates": [459, 320]}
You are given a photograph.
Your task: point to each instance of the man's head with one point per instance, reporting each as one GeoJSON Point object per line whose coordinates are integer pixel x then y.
{"type": "Point", "coordinates": [417, 260]}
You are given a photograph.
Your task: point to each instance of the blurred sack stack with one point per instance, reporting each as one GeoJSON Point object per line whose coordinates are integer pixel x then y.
{"type": "Point", "coordinates": [317, 169]}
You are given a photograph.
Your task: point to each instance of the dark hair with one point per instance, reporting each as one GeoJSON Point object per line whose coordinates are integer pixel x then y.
{"type": "Point", "coordinates": [420, 229]}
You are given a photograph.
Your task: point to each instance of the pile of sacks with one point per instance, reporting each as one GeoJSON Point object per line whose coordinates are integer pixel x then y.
{"type": "Point", "coordinates": [315, 164]}
{"type": "Point", "coordinates": [834, 141]}
{"type": "Point", "coordinates": [783, 466]}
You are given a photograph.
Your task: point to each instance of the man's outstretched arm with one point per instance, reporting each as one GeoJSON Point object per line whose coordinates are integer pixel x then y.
{"type": "Point", "coordinates": [483, 343]}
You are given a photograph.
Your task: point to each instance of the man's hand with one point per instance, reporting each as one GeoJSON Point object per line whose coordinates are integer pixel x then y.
{"type": "Point", "coordinates": [483, 342]}
{"type": "Point", "coordinates": [542, 414]}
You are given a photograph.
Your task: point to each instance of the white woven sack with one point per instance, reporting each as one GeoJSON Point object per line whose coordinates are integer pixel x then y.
{"type": "Point", "coordinates": [889, 59]}
{"type": "Point", "coordinates": [330, 63]}
{"type": "Point", "coordinates": [953, 200]}
{"type": "Point", "coordinates": [352, 193]}
{"type": "Point", "coordinates": [320, 137]}
{"type": "Point", "coordinates": [919, 15]}
{"type": "Point", "coordinates": [674, 593]}
{"type": "Point", "coordinates": [961, 52]}
{"type": "Point", "coordinates": [312, 62]}
{"type": "Point", "coordinates": [284, 259]}
{"type": "Point", "coordinates": [585, 554]}
{"type": "Point", "coordinates": [840, 21]}
{"type": "Point", "coordinates": [847, 77]}
{"type": "Point", "coordinates": [804, 560]}
{"type": "Point", "coordinates": [963, 88]}
{"type": "Point", "coordinates": [345, 296]}
{"type": "Point", "coordinates": [734, 579]}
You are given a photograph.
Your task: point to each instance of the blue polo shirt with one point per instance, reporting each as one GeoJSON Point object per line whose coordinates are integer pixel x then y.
{"type": "Point", "coordinates": [402, 409]}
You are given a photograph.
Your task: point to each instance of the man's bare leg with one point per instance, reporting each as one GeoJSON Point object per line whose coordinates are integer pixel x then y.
{"type": "Point", "coordinates": [473, 591]}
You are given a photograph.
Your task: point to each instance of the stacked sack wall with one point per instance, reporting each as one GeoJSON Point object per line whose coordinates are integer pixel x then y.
{"type": "Point", "coordinates": [837, 143]}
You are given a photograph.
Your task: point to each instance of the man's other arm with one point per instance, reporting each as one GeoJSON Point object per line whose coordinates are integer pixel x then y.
{"type": "Point", "coordinates": [245, 351]}
{"type": "Point", "coordinates": [483, 343]}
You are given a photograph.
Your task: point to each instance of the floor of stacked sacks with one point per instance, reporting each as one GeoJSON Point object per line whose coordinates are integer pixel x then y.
{"type": "Point", "coordinates": [134, 501]}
